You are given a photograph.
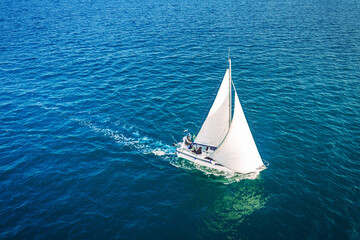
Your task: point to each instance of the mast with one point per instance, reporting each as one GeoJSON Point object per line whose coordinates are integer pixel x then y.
{"type": "Point", "coordinates": [229, 90]}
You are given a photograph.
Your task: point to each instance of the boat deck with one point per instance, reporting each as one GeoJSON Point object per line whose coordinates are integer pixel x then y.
{"type": "Point", "coordinates": [201, 159]}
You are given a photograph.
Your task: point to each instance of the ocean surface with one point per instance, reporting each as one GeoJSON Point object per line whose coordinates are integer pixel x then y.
{"type": "Point", "coordinates": [93, 94]}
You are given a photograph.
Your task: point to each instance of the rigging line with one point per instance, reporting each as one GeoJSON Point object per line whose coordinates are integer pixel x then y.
{"type": "Point", "coordinates": [229, 60]}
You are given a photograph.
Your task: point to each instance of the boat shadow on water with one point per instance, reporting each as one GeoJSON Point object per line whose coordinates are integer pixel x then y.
{"type": "Point", "coordinates": [228, 213]}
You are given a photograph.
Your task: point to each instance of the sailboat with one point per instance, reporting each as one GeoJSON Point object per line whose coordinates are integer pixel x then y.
{"type": "Point", "coordinates": [224, 141]}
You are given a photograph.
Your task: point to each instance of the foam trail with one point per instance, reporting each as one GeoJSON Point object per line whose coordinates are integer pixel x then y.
{"type": "Point", "coordinates": [128, 137]}
{"type": "Point", "coordinates": [147, 145]}
{"type": "Point", "coordinates": [158, 152]}
{"type": "Point", "coordinates": [143, 144]}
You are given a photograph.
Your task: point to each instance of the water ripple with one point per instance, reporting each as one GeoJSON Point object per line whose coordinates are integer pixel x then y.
{"type": "Point", "coordinates": [93, 94]}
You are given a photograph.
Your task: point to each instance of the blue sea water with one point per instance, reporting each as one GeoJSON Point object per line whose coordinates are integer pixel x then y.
{"type": "Point", "coordinates": [93, 94]}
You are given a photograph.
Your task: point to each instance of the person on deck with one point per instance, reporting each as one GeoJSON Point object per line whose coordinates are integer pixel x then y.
{"type": "Point", "coordinates": [188, 141]}
{"type": "Point", "coordinates": [198, 151]}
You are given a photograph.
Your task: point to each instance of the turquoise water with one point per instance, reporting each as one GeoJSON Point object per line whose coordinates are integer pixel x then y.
{"type": "Point", "coordinates": [94, 93]}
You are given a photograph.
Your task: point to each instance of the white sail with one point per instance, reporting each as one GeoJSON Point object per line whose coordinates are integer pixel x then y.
{"type": "Point", "coordinates": [216, 125]}
{"type": "Point", "coordinates": [238, 151]}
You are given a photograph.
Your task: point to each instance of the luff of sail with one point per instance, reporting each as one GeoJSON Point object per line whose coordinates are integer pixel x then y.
{"type": "Point", "coordinates": [238, 151]}
{"type": "Point", "coordinates": [216, 124]}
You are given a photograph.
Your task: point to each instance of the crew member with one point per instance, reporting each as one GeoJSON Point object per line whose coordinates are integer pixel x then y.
{"type": "Point", "coordinates": [188, 141]}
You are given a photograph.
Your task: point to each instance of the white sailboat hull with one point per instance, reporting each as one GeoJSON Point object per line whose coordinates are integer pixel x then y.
{"type": "Point", "coordinates": [200, 159]}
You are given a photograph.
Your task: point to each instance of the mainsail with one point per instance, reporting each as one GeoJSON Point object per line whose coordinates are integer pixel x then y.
{"type": "Point", "coordinates": [216, 125]}
{"type": "Point", "coordinates": [238, 151]}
